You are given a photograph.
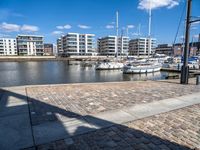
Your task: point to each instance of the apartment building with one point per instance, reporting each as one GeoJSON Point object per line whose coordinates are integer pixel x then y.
{"type": "Point", "coordinates": [178, 49]}
{"type": "Point", "coordinates": [48, 49]}
{"type": "Point", "coordinates": [55, 50]}
{"type": "Point", "coordinates": [111, 45]}
{"type": "Point", "coordinates": [8, 46]}
{"type": "Point", "coordinates": [60, 45]}
{"type": "Point", "coordinates": [30, 45]}
{"type": "Point", "coordinates": [76, 44]}
{"type": "Point", "coordinates": [164, 49]}
{"type": "Point", "coordinates": [140, 46]}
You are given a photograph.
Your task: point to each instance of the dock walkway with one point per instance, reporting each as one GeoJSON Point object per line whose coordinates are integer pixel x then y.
{"type": "Point", "coordinates": [120, 115]}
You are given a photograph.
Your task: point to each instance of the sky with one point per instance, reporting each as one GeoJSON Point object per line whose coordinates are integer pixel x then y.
{"type": "Point", "coordinates": [53, 18]}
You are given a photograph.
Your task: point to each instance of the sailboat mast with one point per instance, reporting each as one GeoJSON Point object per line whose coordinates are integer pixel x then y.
{"type": "Point", "coordinates": [127, 31]}
{"type": "Point", "coordinates": [149, 34]}
{"type": "Point", "coordinates": [117, 23]}
{"type": "Point", "coordinates": [117, 31]}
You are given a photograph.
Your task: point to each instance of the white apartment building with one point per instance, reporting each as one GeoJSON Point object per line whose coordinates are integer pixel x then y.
{"type": "Point", "coordinates": [31, 45]}
{"type": "Point", "coordinates": [60, 45]}
{"type": "Point", "coordinates": [108, 45]}
{"type": "Point", "coordinates": [140, 46]}
{"type": "Point", "coordinates": [8, 46]}
{"type": "Point", "coordinates": [76, 44]}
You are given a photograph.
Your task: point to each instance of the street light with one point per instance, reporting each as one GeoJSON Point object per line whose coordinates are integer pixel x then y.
{"type": "Point", "coordinates": [185, 67]}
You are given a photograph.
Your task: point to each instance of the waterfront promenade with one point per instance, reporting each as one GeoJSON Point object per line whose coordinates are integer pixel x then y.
{"type": "Point", "coordinates": [120, 115]}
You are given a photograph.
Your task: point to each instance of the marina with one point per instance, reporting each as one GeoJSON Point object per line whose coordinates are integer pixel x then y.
{"type": "Point", "coordinates": [59, 72]}
{"type": "Point", "coordinates": [79, 77]}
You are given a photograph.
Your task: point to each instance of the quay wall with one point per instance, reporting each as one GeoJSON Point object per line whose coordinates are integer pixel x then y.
{"type": "Point", "coordinates": [52, 58]}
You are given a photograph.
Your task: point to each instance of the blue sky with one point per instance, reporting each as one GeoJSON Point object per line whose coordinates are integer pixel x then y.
{"type": "Point", "coordinates": [52, 18]}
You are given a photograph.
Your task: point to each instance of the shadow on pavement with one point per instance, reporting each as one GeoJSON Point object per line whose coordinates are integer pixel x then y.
{"type": "Point", "coordinates": [22, 127]}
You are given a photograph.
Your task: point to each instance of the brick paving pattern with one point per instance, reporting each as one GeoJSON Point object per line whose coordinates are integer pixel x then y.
{"type": "Point", "coordinates": [70, 101]}
{"type": "Point", "coordinates": [175, 130]}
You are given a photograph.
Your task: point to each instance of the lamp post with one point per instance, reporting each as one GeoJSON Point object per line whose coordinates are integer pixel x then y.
{"type": "Point", "coordinates": [185, 67]}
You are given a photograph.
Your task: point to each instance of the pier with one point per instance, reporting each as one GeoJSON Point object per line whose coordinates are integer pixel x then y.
{"type": "Point", "coordinates": [118, 115]}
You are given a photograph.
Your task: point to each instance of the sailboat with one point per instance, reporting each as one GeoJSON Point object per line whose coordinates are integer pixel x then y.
{"type": "Point", "coordinates": [144, 67]}
{"type": "Point", "coordinates": [115, 64]}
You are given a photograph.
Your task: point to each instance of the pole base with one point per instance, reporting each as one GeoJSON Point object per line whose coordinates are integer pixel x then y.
{"type": "Point", "coordinates": [184, 74]}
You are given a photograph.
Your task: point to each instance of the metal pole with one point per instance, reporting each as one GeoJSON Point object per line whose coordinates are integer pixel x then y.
{"type": "Point", "coordinates": [117, 23]}
{"type": "Point", "coordinates": [149, 35]}
{"type": "Point", "coordinates": [185, 67]}
{"type": "Point", "coordinates": [117, 30]}
{"type": "Point", "coordinates": [127, 31]}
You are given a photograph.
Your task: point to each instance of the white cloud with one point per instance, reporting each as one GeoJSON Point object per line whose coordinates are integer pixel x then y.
{"type": "Point", "coordinates": [84, 26]}
{"type": "Point", "coordinates": [135, 34]}
{"type": "Point", "coordinates": [153, 4]}
{"type": "Point", "coordinates": [109, 27]}
{"type": "Point", "coordinates": [57, 32]}
{"type": "Point", "coordinates": [7, 13]}
{"type": "Point", "coordinates": [29, 28]}
{"type": "Point", "coordinates": [17, 15]}
{"type": "Point", "coordinates": [130, 26]}
{"type": "Point", "coordinates": [196, 36]}
{"type": "Point", "coordinates": [182, 37]}
{"type": "Point", "coordinates": [60, 27]}
{"type": "Point", "coordinates": [67, 26]}
{"type": "Point", "coordinates": [9, 27]}
{"type": "Point", "coordinates": [193, 28]}
{"type": "Point", "coordinates": [4, 35]}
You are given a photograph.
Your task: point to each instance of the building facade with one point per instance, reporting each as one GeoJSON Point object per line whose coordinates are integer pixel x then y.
{"type": "Point", "coordinates": [48, 49]}
{"type": "Point", "coordinates": [55, 50]}
{"type": "Point", "coordinates": [8, 46]}
{"type": "Point", "coordinates": [140, 46]}
{"type": "Point", "coordinates": [30, 45]}
{"type": "Point", "coordinates": [111, 45]}
{"type": "Point", "coordinates": [178, 49]}
{"type": "Point", "coordinates": [76, 44]}
{"type": "Point", "coordinates": [164, 49]}
{"type": "Point", "coordinates": [60, 45]}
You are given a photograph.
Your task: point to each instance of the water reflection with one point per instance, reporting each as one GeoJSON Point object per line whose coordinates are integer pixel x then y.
{"type": "Point", "coordinates": [55, 72]}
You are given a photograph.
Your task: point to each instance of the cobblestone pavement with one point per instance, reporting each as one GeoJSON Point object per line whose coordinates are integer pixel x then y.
{"type": "Point", "coordinates": [83, 99]}
{"type": "Point", "coordinates": [175, 130]}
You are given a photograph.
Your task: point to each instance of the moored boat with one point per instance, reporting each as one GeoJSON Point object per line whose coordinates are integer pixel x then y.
{"type": "Point", "coordinates": [109, 65]}
{"type": "Point", "coordinates": [141, 68]}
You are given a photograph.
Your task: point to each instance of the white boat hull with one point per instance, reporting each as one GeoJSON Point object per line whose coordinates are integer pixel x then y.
{"type": "Point", "coordinates": [138, 70]}
{"type": "Point", "coordinates": [109, 66]}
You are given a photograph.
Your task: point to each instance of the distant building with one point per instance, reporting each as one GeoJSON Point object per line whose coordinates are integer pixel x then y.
{"type": "Point", "coordinates": [8, 46]}
{"type": "Point", "coordinates": [76, 44]}
{"type": "Point", "coordinates": [30, 45]}
{"type": "Point", "coordinates": [195, 46]}
{"type": "Point", "coordinates": [111, 45]}
{"type": "Point", "coordinates": [48, 49]}
{"type": "Point", "coordinates": [164, 49]}
{"type": "Point", "coordinates": [178, 49]}
{"type": "Point", "coordinates": [55, 50]}
{"type": "Point", "coordinates": [140, 46]}
{"type": "Point", "coordinates": [60, 45]}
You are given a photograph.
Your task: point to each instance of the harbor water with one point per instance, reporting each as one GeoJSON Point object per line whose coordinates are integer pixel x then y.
{"type": "Point", "coordinates": [61, 72]}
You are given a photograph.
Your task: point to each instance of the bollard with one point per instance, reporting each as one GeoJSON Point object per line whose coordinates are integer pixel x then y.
{"type": "Point", "coordinates": [197, 80]}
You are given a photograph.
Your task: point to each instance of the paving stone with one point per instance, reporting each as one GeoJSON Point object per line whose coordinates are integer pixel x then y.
{"type": "Point", "coordinates": [177, 129]}
{"type": "Point", "coordinates": [85, 99]}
